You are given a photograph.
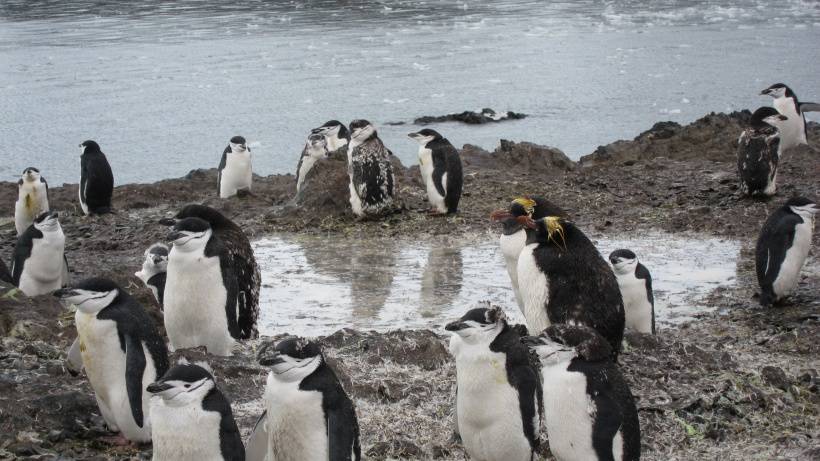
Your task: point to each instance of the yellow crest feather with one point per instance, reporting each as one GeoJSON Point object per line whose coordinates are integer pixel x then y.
{"type": "Point", "coordinates": [554, 227]}
{"type": "Point", "coordinates": [527, 203]}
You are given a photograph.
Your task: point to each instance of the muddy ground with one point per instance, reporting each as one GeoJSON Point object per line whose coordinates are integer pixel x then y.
{"type": "Point", "coordinates": [740, 383]}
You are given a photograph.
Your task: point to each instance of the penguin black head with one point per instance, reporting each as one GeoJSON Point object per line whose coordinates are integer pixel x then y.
{"type": "Point", "coordinates": [778, 90]}
{"type": "Point", "coordinates": [238, 144]}
{"type": "Point", "coordinates": [291, 359]}
{"type": "Point", "coordinates": [316, 145]}
{"type": "Point", "coordinates": [623, 261]}
{"type": "Point", "coordinates": [480, 325]}
{"type": "Point", "coordinates": [362, 130]}
{"type": "Point", "coordinates": [425, 136]}
{"type": "Point", "coordinates": [190, 233]}
{"type": "Point", "coordinates": [802, 206]}
{"type": "Point", "coordinates": [31, 174]}
{"type": "Point", "coordinates": [91, 295]}
{"type": "Point", "coordinates": [524, 206]}
{"type": "Point", "coordinates": [183, 384]}
{"type": "Point", "coordinates": [157, 254]}
{"type": "Point", "coordinates": [332, 128]}
{"type": "Point", "coordinates": [214, 217]}
{"type": "Point", "coordinates": [552, 230]}
{"type": "Point", "coordinates": [561, 343]}
{"type": "Point", "coordinates": [765, 117]}
{"type": "Point", "coordinates": [90, 147]}
{"type": "Point", "coordinates": [47, 221]}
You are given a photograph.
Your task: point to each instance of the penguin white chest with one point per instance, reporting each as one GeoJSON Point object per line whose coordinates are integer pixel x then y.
{"type": "Point", "coordinates": [489, 414]}
{"type": "Point", "coordinates": [793, 130]}
{"type": "Point", "coordinates": [789, 273]}
{"type": "Point", "coordinates": [296, 424]}
{"type": "Point", "coordinates": [43, 270]}
{"type": "Point", "coordinates": [195, 300]}
{"type": "Point", "coordinates": [426, 169]}
{"type": "Point", "coordinates": [534, 288]}
{"type": "Point", "coordinates": [637, 308]}
{"type": "Point", "coordinates": [184, 433]}
{"type": "Point", "coordinates": [307, 163]}
{"type": "Point", "coordinates": [236, 175]}
{"type": "Point", "coordinates": [31, 202]}
{"type": "Point", "coordinates": [511, 246]}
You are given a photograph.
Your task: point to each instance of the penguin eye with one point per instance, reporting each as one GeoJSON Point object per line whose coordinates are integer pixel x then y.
{"type": "Point", "coordinates": [187, 385]}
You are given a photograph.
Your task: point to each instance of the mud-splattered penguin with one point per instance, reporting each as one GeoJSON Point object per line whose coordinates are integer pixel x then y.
{"type": "Point", "coordinates": [758, 152]}
{"type": "Point", "coordinates": [122, 353]}
{"type": "Point", "coordinates": [39, 265]}
{"type": "Point", "coordinates": [235, 172]}
{"type": "Point", "coordinates": [635, 283]}
{"type": "Point", "coordinates": [32, 198]}
{"type": "Point", "coordinates": [782, 248]}
{"type": "Point", "coordinates": [315, 149]}
{"type": "Point", "coordinates": [191, 418]}
{"type": "Point", "coordinates": [563, 279]}
{"type": "Point", "coordinates": [335, 134]}
{"type": "Point", "coordinates": [153, 271]}
{"type": "Point", "coordinates": [440, 167]}
{"type": "Point", "coordinates": [793, 133]}
{"type": "Point", "coordinates": [589, 410]}
{"type": "Point", "coordinates": [242, 261]}
{"type": "Point", "coordinates": [96, 180]}
{"type": "Point", "coordinates": [371, 173]}
{"type": "Point", "coordinates": [499, 398]}
{"type": "Point", "coordinates": [514, 234]}
{"type": "Point", "coordinates": [308, 414]}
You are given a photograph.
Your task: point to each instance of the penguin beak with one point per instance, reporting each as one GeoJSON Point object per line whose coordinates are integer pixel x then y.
{"type": "Point", "coordinates": [65, 293]}
{"type": "Point", "coordinates": [174, 236]}
{"type": "Point", "coordinates": [500, 215]}
{"type": "Point", "coordinates": [765, 92]}
{"type": "Point", "coordinates": [157, 387]}
{"type": "Point", "coordinates": [168, 221]}
{"type": "Point", "coordinates": [456, 326]}
{"type": "Point", "coordinates": [413, 135]}
{"type": "Point", "coordinates": [526, 221]}
{"type": "Point", "coordinates": [271, 358]}
{"type": "Point", "coordinates": [157, 259]}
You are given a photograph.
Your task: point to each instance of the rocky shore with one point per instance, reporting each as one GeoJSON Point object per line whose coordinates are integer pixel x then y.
{"type": "Point", "coordinates": [739, 383]}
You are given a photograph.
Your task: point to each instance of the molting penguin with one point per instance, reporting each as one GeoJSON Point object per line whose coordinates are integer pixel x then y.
{"type": "Point", "coordinates": [590, 411]}
{"type": "Point", "coordinates": [635, 283]}
{"type": "Point", "coordinates": [315, 149]}
{"type": "Point", "coordinates": [308, 414]}
{"type": "Point", "coordinates": [96, 180]}
{"type": "Point", "coordinates": [32, 198]}
{"type": "Point", "coordinates": [192, 420]}
{"type": "Point", "coordinates": [440, 167]}
{"type": "Point", "coordinates": [782, 248]}
{"type": "Point", "coordinates": [370, 170]}
{"type": "Point", "coordinates": [758, 152]}
{"type": "Point", "coordinates": [793, 132]}
{"type": "Point", "coordinates": [200, 290]}
{"type": "Point", "coordinates": [563, 279]}
{"type": "Point", "coordinates": [335, 133]}
{"type": "Point", "coordinates": [514, 234]}
{"type": "Point", "coordinates": [498, 399]}
{"type": "Point", "coordinates": [235, 171]}
{"type": "Point", "coordinates": [153, 272]}
{"type": "Point", "coordinates": [122, 353]}
{"type": "Point", "coordinates": [39, 265]}
{"type": "Point", "coordinates": [242, 261]}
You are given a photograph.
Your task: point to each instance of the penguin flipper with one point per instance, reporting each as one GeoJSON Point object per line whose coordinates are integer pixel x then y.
{"type": "Point", "coordinates": [775, 239]}
{"type": "Point", "coordinates": [439, 170]}
{"type": "Point", "coordinates": [64, 276]}
{"type": "Point", "coordinates": [134, 369]}
{"type": "Point", "coordinates": [74, 358]}
{"type": "Point", "coordinates": [809, 107]}
{"type": "Point", "coordinates": [342, 436]}
{"type": "Point", "coordinates": [256, 449]}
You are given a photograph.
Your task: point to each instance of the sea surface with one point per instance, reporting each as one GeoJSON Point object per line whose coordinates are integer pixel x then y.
{"type": "Point", "coordinates": [162, 86]}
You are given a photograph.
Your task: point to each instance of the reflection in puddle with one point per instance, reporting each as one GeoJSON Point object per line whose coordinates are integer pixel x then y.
{"type": "Point", "coordinates": [316, 285]}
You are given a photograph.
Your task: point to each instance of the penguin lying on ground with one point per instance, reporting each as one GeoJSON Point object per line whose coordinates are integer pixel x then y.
{"type": "Point", "coordinates": [39, 264]}
{"type": "Point", "coordinates": [590, 411]}
{"type": "Point", "coordinates": [498, 398]}
{"type": "Point", "coordinates": [563, 279]}
{"type": "Point", "coordinates": [782, 248]}
{"type": "Point", "coordinates": [371, 174]}
{"type": "Point", "coordinates": [122, 353]}
{"type": "Point", "coordinates": [153, 272]}
{"type": "Point", "coordinates": [235, 172]}
{"type": "Point", "coordinates": [758, 152]}
{"type": "Point", "coordinates": [440, 168]}
{"type": "Point", "coordinates": [192, 420]}
{"type": "Point", "coordinates": [96, 180]}
{"type": "Point", "coordinates": [635, 284]}
{"type": "Point", "coordinates": [315, 149]}
{"type": "Point", "coordinates": [32, 199]}
{"type": "Point", "coordinates": [793, 133]}
{"type": "Point", "coordinates": [514, 234]}
{"type": "Point", "coordinates": [308, 414]}
{"type": "Point", "coordinates": [335, 133]}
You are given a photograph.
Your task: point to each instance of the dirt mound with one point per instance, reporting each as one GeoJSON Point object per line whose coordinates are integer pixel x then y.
{"type": "Point", "coordinates": [517, 156]}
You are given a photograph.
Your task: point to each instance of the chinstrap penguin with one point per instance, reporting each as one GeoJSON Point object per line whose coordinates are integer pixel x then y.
{"type": "Point", "coordinates": [793, 132]}
{"type": "Point", "coordinates": [563, 279]}
{"type": "Point", "coordinates": [371, 173]}
{"type": "Point", "coordinates": [514, 234]}
{"type": "Point", "coordinates": [758, 152]}
{"type": "Point", "coordinates": [590, 413]}
{"type": "Point", "coordinates": [335, 133]}
{"type": "Point", "coordinates": [635, 283]}
{"type": "Point", "coordinates": [96, 180]}
{"type": "Point", "coordinates": [782, 248]}
{"type": "Point", "coordinates": [153, 271]}
{"type": "Point", "coordinates": [32, 198]}
{"type": "Point", "coordinates": [499, 397]}
{"type": "Point", "coordinates": [315, 149]}
{"type": "Point", "coordinates": [191, 418]}
{"type": "Point", "coordinates": [235, 172]}
{"type": "Point", "coordinates": [39, 264]}
{"type": "Point", "coordinates": [440, 168]}
{"type": "Point", "coordinates": [122, 353]}
{"type": "Point", "coordinates": [242, 261]}
{"type": "Point", "coordinates": [308, 414]}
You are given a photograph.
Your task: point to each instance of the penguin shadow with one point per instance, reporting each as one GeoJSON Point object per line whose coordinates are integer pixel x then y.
{"type": "Point", "coordinates": [441, 280]}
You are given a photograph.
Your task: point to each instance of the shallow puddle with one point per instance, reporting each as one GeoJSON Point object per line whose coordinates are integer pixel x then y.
{"type": "Point", "coordinates": [316, 285]}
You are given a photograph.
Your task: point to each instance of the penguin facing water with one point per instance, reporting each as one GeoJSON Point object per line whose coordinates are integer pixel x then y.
{"type": "Point", "coordinates": [39, 264]}
{"type": "Point", "coordinates": [371, 173]}
{"type": "Point", "coordinates": [440, 168]}
{"type": "Point", "coordinates": [32, 198]}
{"type": "Point", "coordinates": [793, 133]}
{"type": "Point", "coordinates": [758, 152]}
{"type": "Point", "coordinates": [235, 172]}
{"type": "Point", "coordinates": [635, 284]}
{"type": "Point", "coordinates": [153, 271]}
{"type": "Point", "coordinates": [335, 133]}
{"type": "Point", "coordinates": [96, 180]}
{"type": "Point", "coordinates": [315, 149]}
{"type": "Point", "coordinates": [122, 353]}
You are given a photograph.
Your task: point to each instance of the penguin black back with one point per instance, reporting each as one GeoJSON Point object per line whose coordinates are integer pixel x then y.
{"type": "Point", "coordinates": [5, 275]}
{"type": "Point", "coordinates": [96, 179]}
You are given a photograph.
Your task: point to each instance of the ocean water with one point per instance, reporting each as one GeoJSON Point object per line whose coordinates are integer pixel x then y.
{"type": "Point", "coordinates": [162, 86]}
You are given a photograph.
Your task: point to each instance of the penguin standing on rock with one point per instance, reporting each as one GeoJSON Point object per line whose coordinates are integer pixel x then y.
{"type": "Point", "coordinates": [154, 268]}
{"type": "Point", "coordinates": [315, 149]}
{"type": "Point", "coordinates": [563, 279]}
{"type": "Point", "coordinates": [234, 172]}
{"type": "Point", "coordinates": [758, 152]}
{"type": "Point", "coordinates": [96, 180]}
{"type": "Point", "coordinates": [39, 265]}
{"type": "Point", "coordinates": [793, 133]}
{"type": "Point", "coordinates": [242, 262]}
{"type": "Point", "coordinates": [635, 284]}
{"type": "Point", "coordinates": [122, 353]}
{"type": "Point", "coordinates": [32, 198]}
{"type": "Point", "coordinates": [590, 411]}
{"type": "Point", "coordinates": [514, 234]}
{"type": "Point", "coordinates": [308, 414]}
{"type": "Point", "coordinates": [192, 419]}
{"type": "Point", "coordinates": [371, 173]}
{"type": "Point", "coordinates": [440, 167]}
{"type": "Point", "coordinates": [782, 248]}
{"type": "Point", "coordinates": [335, 133]}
